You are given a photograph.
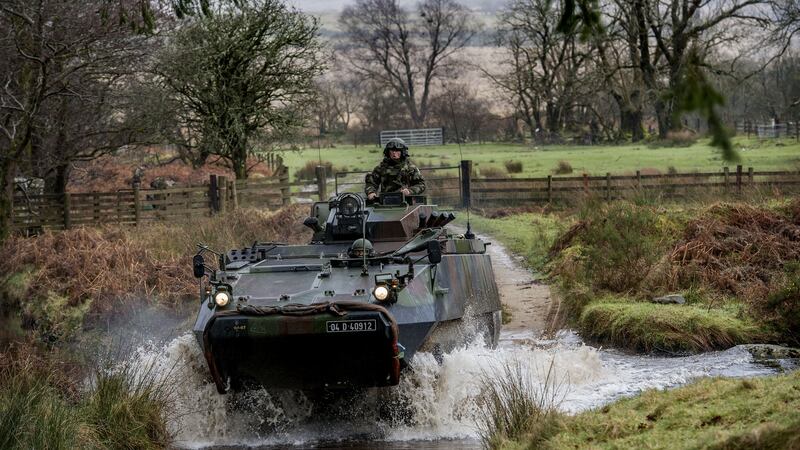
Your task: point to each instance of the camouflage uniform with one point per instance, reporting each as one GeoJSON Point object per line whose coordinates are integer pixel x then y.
{"type": "Point", "coordinates": [392, 176]}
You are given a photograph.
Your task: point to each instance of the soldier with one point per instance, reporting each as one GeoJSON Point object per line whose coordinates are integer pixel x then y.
{"type": "Point", "coordinates": [395, 173]}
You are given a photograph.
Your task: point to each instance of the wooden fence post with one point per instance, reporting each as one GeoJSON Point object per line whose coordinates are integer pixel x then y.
{"type": "Point", "coordinates": [726, 175]}
{"type": "Point", "coordinates": [234, 195]}
{"type": "Point", "coordinates": [586, 183]}
{"type": "Point", "coordinates": [222, 184]}
{"type": "Point", "coordinates": [322, 183]}
{"type": "Point", "coordinates": [608, 186]}
{"type": "Point", "coordinates": [118, 207]}
{"type": "Point", "coordinates": [96, 210]}
{"type": "Point", "coordinates": [638, 179]}
{"type": "Point", "coordinates": [549, 189]}
{"type": "Point", "coordinates": [466, 181]}
{"type": "Point", "coordinates": [212, 193]}
{"type": "Point", "coordinates": [284, 180]}
{"type": "Point", "coordinates": [137, 204]}
{"type": "Point", "coordinates": [739, 179]}
{"type": "Point", "coordinates": [67, 214]}
{"type": "Point", "coordinates": [750, 177]}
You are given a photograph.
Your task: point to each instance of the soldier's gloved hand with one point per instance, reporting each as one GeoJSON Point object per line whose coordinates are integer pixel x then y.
{"type": "Point", "coordinates": [405, 191]}
{"type": "Point", "coordinates": [372, 196]}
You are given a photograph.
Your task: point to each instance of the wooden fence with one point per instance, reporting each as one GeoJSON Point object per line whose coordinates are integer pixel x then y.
{"type": "Point", "coordinates": [485, 192]}
{"type": "Point", "coordinates": [451, 186]}
{"type": "Point", "coordinates": [137, 206]}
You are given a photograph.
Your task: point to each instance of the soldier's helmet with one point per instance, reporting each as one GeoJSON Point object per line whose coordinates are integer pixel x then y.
{"type": "Point", "coordinates": [396, 144]}
{"type": "Point", "coordinates": [359, 248]}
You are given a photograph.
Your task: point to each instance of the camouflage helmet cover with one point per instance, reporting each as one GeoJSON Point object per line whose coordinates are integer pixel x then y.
{"type": "Point", "coordinates": [361, 247]}
{"type": "Point", "coordinates": [396, 144]}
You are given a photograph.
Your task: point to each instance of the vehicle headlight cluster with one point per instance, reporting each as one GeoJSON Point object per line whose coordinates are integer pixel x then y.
{"type": "Point", "coordinates": [222, 298]}
{"type": "Point", "coordinates": [386, 288]}
{"type": "Point", "coordinates": [381, 293]}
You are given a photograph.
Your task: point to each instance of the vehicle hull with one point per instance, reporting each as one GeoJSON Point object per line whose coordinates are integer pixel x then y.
{"type": "Point", "coordinates": [315, 350]}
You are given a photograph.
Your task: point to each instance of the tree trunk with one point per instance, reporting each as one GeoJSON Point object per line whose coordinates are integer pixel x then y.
{"type": "Point", "coordinates": [664, 118]}
{"type": "Point", "coordinates": [6, 196]}
{"type": "Point", "coordinates": [631, 122]}
{"type": "Point", "coordinates": [239, 158]}
{"type": "Point", "coordinates": [57, 180]}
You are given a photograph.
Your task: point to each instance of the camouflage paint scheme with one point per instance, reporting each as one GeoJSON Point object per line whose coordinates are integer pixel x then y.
{"type": "Point", "coordinates": [304, 316]}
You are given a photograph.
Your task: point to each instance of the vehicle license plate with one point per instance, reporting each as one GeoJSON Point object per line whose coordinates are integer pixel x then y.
{"type": "Point", "coordinates": [351, 326]}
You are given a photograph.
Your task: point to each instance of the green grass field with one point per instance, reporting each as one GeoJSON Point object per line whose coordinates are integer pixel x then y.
{"type": "Point", "coordinates": [769, 154]}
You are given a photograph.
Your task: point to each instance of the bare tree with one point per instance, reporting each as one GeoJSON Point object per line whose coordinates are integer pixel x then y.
{"type": "Point", "coordinates": [240, 75]}
{"type": "Point", "coordinates": [676, 38]}
{"type": "Point", "coordinates": [542, 74]}
{"type": "Point", "coordinates": [460, 110]}
{"type": "Point", "coordinates": [618, 63]}
{"type": "Point", "coordinates": [405, 52]}
{"type": "Point", "coordinates": [60, 77]}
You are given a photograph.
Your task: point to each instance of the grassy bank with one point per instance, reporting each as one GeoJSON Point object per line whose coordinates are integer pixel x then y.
{"type": "Point", "coordinates": [55, 285]}
{"type": "Point", "coordinates": [734, 263]}
{"type": "Point", "coordinates": [56, 282]}
{"type": "Point", "coordinates": [779, 154]}
{"type": "Point", "coordinates": [43, 405]}
{"type": "Point", "coordinates": [710, 413]}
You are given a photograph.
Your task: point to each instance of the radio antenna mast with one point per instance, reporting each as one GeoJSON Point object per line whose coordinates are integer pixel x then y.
{"type": "Point", "coordinates": [468, 234]}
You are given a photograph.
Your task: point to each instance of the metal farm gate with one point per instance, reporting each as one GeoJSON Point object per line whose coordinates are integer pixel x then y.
{"type": "Point", "coordinates": [416, 137]}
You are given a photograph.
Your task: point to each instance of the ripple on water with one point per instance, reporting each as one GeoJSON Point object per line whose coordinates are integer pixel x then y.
{"type": "Point", "coordinates": [442, 399]}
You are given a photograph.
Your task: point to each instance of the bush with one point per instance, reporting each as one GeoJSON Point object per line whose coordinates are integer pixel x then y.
{"type": "Point", "coordinates": [493, 172]}
{"type": "Point", "coordinates": [563, 168]}
{"type": "Point", "coordinates": [513, 166]}
{"type": "Point", "coordinates": [783, 306]}
{"type": "Point", "coordinates": [59, 278]}
{"type": "Point", "coordinates": [682, 138]}
{"type": "Point", "coordinates": [621, 243]}
{"type": "Point", "coordinates": [309, 171]}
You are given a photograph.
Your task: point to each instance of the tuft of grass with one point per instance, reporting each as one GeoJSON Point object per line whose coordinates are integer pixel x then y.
{"type": "Point", "coordinates": [513, 166]}
{"type": "Point", "coordinates": [505, 314]}
{"type": "Point", "coordinates": [715, 413]}
{"type": "Point", "coordinates": [33, 414]}
{"type": "Point", "coordinates": [563, 168]}
{"type": "Point", "coordinates": [127, 407]}
{"type": "Point", "coordinates": [518, 406]}
{"type": "Point", "coordinates": [308, 172]}
{"type": "Point", "coordinates": [41, 407]}
{"type": "Point", "coordinates": [493, 172]}
{"type": "Point", "coordinates": [665, 328]}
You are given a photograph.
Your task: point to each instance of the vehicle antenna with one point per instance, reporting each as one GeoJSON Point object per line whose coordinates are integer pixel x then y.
{"type": "Point", "coordinates": [468, 234]}
{"type": "Point", "coordinates": [364, 269]}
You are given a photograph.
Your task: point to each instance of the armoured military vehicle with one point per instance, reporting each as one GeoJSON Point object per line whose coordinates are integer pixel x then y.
{"type": "Point", "coordinates": [376, 284]}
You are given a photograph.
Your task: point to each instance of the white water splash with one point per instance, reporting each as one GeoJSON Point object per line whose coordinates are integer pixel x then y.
{"type": "Point", "coordinates": [441, 398]}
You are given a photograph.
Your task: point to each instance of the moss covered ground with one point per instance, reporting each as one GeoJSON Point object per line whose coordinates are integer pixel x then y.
{"type": "Point", "coordinates": [761, 413]}
{"type": "Point", "coordinates": [734, 262]}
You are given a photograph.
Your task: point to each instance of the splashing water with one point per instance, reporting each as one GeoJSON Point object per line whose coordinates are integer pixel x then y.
{"type": "Point", "coordinates": [437, 401]}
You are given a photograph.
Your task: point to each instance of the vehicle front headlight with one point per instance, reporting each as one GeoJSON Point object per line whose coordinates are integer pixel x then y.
{"type": "Point", "coordinates": [222, 298]}
{"type": "Point", "coordinates": [381, 293]}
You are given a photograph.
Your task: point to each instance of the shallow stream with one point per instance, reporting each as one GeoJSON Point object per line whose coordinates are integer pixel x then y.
{"type": "Point", "coordinates": [442, 398]}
